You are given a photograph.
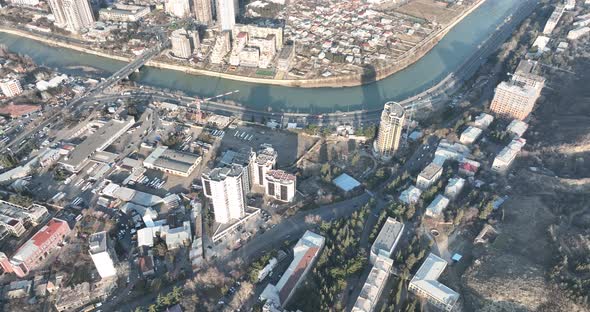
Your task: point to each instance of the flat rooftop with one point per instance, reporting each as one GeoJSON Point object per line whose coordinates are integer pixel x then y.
{"type": "Point", "coordinates": [219, 174]}
{"type": "Point", "coordinates": [166, 158]}
{"type": "Point", "coordinates": [97, 242]}
{"type": "Point", "coordinates": [393, 109]}
{"type": "Point", "coordinates": [430, 171]}
{"type": "Point", "coordinates": [388, 235]}
{"type": "Point", "coordinates": [426, 280]}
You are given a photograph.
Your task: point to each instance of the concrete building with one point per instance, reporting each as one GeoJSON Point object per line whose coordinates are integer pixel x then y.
{"type": "Point", "coordinates": [123, 13]}
{"type": "Point", "coordinates": [280, 185]}
{"type": "Point", "coordinates": [14, 217]}
{"type": "Point", "coordinates": [305, 253]}
{"type": "Point", "coordinates": [224, 186]}
{"type": "Point", "coordinates": [554, 19]}
{"type": "Point", "coordinates": [255, 31]}
{"type": "Point", "coordinates": [437, 206]}
{"type": "Point", "coordinates": [220, 48]}
{"type": "Point", "coordinates": [517, 128]}
{"type": "Point", "coordinates": [178, 8]}
{"type": "Point", "coordinates": [374, 285]}
{"type": "Point", "coordinates": [425, 284]}
{"type": "Point", "coordinates": [73, 15]}
{"type": "Point", "coordinates": [10, 87]}
{"type": "Point", "coordinates": [454, 187]}
{"type": "Point", "coordinates": [578, 33]}
{"type": "Point", "coordinates": [245, 157]}
{"type": "Point", "coordinates": [387, 240]}
{"type": "Point", "coordinates": [569, 5]}
{"type": "Point", "coordinates": [506, 157]}
{"type": "Point", "coordinates": [410, 196]}
{"type": "Point", "coordinates": [29, 3]}
{"type": "Point", "coordinates": [470, 135]}
{"type": "Point", "coordinates": [102, 253]}
{"type": "Point", "coordinates": [285, 58]}
{"type": "Point", "coordinates": [35, 250]}
{"type": "Point", "coordinates": [226, 14]}
{"type": "Point", "coordinates": [173, 162]}
{"type": "Point", "coordinates": [76, 297]}
{"type": "Point", "coordinates": [266, 159]}
{"type": "Point", "coordinates": [178, 237]}
{"type": "Point", "coordinates": [483, 121]}
{"type": "Point", "coordinates": [390, 129]}
{"type": "Point", "coordinates": [527, 72]}
{"type": "Point", "coordinates": [429, 176]}
{"type": "Point", "coordinates": [468, 167]}
{"type": "Point", "coordinates": [108, 133]}
{"type": "Point", "coordinates": [514, 100]}
{"type": "Point", "coordinates": [183, 43]}
{"type": "Point", "coordinates": [203, 12]}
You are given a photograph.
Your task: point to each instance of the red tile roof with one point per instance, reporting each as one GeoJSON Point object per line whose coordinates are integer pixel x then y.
{"type": "Point", "coordinates": [298, 272]}
{"type": "Point", "coordinates": [48, 231]}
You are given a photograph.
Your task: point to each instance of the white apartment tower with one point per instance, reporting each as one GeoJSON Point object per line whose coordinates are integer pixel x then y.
{"type": "Point", "coordinates": [102, 254]}
{"type": "Point", "coordinates": [226, 14]}
{"type": "Point", "coordinates": [178, 8]}
{"type": "Point", "coordinates": [59, 15]}
{"type": "Point", "coordinates": [181, 43]}
{"type": "Point", "coordinates": [11, 87]}
{"type": "Point", "coordinates": [390, 129]}
{"type": "Point", "coordinates": [266, 159]}
{"type": "Point", "coordinates": [203, 12]}
{"type": "Point", "coordinates": [280, 185]}
{"type": "Point", "coordinates": [74, 15]}
{"type": "Point", "coordinates": [225, 188]}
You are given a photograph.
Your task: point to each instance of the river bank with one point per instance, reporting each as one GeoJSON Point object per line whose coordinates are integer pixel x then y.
{"type": "Point", "coordinates": [369, 75]}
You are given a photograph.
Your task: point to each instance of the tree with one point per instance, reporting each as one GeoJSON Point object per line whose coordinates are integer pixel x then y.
{"type": "Point", "coordinates": [242, 295]}
{"type": "Point", "coordinates": [485, 213]}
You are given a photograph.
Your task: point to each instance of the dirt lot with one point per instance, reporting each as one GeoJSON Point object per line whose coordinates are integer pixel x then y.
{"type": "Point", "coordinates": [430, 10]}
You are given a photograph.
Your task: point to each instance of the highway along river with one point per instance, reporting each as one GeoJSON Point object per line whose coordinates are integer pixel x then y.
{"type": "Point", "coordinates": [447, 56]}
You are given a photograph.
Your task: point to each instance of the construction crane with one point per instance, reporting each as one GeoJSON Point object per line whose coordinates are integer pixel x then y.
{"type": "Point", "coordinates": [198, 102]}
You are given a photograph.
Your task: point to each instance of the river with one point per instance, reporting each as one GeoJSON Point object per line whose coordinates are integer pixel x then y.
{"type": "Point", "coordinates": [457, 46]}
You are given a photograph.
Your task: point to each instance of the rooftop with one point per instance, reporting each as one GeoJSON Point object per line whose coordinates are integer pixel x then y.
{"type": "Point", "coordinates": [388, 235]}
{"type": "Point", "coordinates": [163, 157]}
{"type": "Point", "coordinates": [430, 171]}
{"type": "Point", "coordinates": [266, 156]}
{"type": "Point", "coordinates": [393, 109]}
{"type": "Point", "coordinates": [219, 174]}
{"type": "Point", "coordinates": [97, 242]}
{"type": "Point", "coordinates": [281, 176]}
{"type": "Point", "coordinates": [426, 280]}
{"type": "Point", "coordinates": [346, 182]}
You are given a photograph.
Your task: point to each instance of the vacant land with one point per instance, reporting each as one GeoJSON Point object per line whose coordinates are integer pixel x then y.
{"type": "Point", "coordinates": [430, 10]}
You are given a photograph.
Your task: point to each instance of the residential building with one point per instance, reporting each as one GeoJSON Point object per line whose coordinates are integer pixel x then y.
{"type": "Point", "coordinates": [425, 284]}
{"type": "Point", "coordinates": [74, 298]}
{"type": "Point", "coordinates": [454, 151]}
{"type": "Point", "coordinates": [569, 4]}
{"type": "Point", "coordinates": [108, 133]}
{"type": "Point", "coordinates": [17, 289]}
{"type": "Point", "coordinates": [554, 19]}
{"type": "Point", "coordinates": [280, 185]}
{"type": "Point", "coordinates": [255, 31]}
{"type": "Point", "coordinates": [123, 13]}
{"type": "Point", "coordinates": [305, 253]}
{"type": "Point", "coordinates": [224, 186]}
{"type": "Point", "coordinates": [11, 87]}
{"type": "Point", "coordinates": [220, 48]}
{"type": "Point", "coordinates": [30, 3]}
{"type": "Point", "coordinates": [181, 43]}
{"type": "Point", "coordinates": [387, 240]}
{"type": "Point", "coordinates": [517, 128]}
{"type": "Point", "coordinates": [178, 237]}
{"type": "Point", "coordinates": [410, 196]}
{"type": "Point", "coordinates": [226, 14]}
{"type": "Point", "coordinates": [102, 253]}
{"type": "Point", "coordinates": [203, 12]}
{"type": "Point", "coordinates": [468, 167]}
{"type": "Point", "coordinates": [429, 176]}
{"type": "Point", "coordinates": [266, 159]}
{"type": "Point", "coordinates": [437, 206]}
{"type": "Point", "coordinates": [14, 217]}
{"type": "Point", "coordinates": [514, 99]}
{"type": "Point", "coordinates": [74, 15]}
{"type": "Point", "coordinates": [390, 129]}
{"type": "Point", "coordinates": [454, 187]}
{"type": "Point", "coordinates": [171, 161]}
{"type": "Point", "coordinates": [527, 72]}
{"type": "Point", "coordinates": [178, 8]}
{"type": "Point", "coordinates": [245, 157]}
{"type": "Point", "coordinates": [374, 285]}
{"type": "Point", "coordinates": [35, 250]}
{"type": "Point", "coordinates": [249, 57]}
{"type": "Point", "coordinates": [470, 135]}
{"type": "Point", "coordinates": [286, 57]}
{"type": "Point", "coordinates": [577, 33]}
{"type": "Point", "coordinates": [507, 155]}
{"type": "Point", "coordinates": [483, 121]}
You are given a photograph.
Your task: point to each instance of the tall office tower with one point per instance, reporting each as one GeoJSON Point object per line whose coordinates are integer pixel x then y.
{"type": "Point", "coordinates": [102, 254]}
{"type": "Point", "coordinates": [203, 12]}
{"type": "Point", "coordinates": [58, 13]}
{"type": "Point", "coordinates": [390, 129]}
{"type": "Point", "coordinates": [225, 188]}
{"type": "Point", "coordinates": [266, 160]}
{"type": "Point", "coordinates": [74, 15]}
{"type": "Point", "coordinates": [226, 14]}
{"type": "Point", "coordinates": [181, 43]}
{"type": "Point", "coordinates": [178, 8]}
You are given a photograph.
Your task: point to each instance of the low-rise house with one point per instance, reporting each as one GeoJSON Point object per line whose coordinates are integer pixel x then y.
{"type": "Point", "coordinates": [504, 160]}
{"type": "Point", "coordinates": [454, 187]}
{"type": "Point", "coordinates": [437, 206]}
{"type": "Point", "coordinates": [468, 167]}
{"type": "Point", "coordinates": [517, 128]}
{"type": "Point", "coordinates": [483, 120]}
{"type": "Point", "coordinates": [411, 195]}
{"type": "Point", "coordinates": [470, 135]}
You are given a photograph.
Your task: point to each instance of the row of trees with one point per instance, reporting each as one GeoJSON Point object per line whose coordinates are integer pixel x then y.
{"type": "Point", "coordinates": [164, 301]}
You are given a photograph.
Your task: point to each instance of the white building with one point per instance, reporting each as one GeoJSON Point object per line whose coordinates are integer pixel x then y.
{"type": "Point", "coordinates": [30, 3]}
{"type": "Point", "coordinates": [173, 162]}
{"type": "Point", "coordinates": [224, 186]}
{"type": "Point", "coordinates": [554, 19]}
{"type": "Point", "coordinates": [390, 130]}
{"type": "Point", "coordinates": [570, 4]}
{"type": "Point", "coordinates": [102, 254]}
{"type": "Point", "coordinates": [178, 8]}
{"type": "Point", "coordinates": [123, 13]}
{"type": "Point", "coordinates": [411, 195]}
{"type": "Point", "coordinates": [184, 42]}
{"type": "Point", "coordinates": [387, 240]}
{"type": "Point", "coordinates": [11, 87]}
{"type": "Point", "coordinates": [280, 185]}
{"type": "Point", "coordinates": [425, 284]}
{"type": "Point", "coordinates": [74, 15]}
{"type": "Point", "coordinates": [437, 206]}
{"type": "Point", "coordinates": [226, 14]}
{"type": "Point", "coordinates": [577, 33]}
{"type": "Point", "coordinates": [266, 159]}
{"type": "Point", "coordinates": [517, 128]}
{"type": "Point", "coordinates": [454, 187]}
{"type": "Point", "coordinates": [305, 252]}
{"type": "Point", "coordinates": [470, 135]}
{"type": "Point", "coordinates": [429, 176]}
{"type": "Point", "coordinates": [507, 155]}
{"type": "Point", "coordinates": [374, 285]}
{"type": "Point", "coordinates": [483, 120]}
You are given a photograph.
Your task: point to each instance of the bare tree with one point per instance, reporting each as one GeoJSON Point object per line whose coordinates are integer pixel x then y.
{"type": "Point", "coordinates": [242, 295]}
